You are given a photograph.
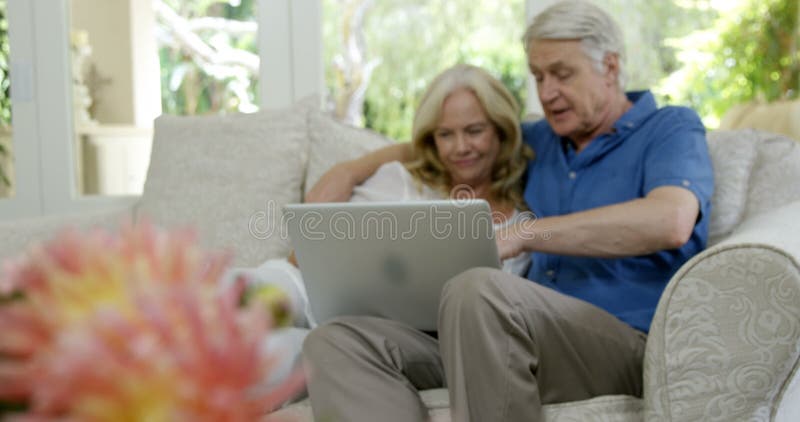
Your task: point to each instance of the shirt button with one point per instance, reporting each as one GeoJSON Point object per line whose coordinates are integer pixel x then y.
{"type": "Point", "coordinates": [686, 183]}
{"type": "Point", "coordinates": [550, 273]}
{"type": "Point", "coordinates": [573, 175]}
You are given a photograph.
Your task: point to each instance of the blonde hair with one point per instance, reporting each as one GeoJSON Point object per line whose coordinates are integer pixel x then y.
{"type": "Point", "coordinates": [501, 109]}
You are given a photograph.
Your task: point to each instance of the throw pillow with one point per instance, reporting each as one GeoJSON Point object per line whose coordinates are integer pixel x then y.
{"type": "Point", "coordinates": [229, 176]}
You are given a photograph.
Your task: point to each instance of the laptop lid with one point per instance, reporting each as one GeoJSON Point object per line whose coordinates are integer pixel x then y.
{"type": "Point", "coordinates": [388, 259]}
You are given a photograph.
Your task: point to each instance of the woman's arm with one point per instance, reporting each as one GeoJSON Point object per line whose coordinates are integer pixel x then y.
{"type": "Point", "coordinates": [337, 184]}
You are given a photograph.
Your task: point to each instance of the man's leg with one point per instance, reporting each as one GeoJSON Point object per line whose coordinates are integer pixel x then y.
{"type": "Point", "coordinates": [370, 369]}
{"type": "Point", "coordinates": [510, 345]}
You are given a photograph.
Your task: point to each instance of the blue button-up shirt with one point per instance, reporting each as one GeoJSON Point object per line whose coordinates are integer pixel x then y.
{"type": "Point", "coordinates": [648, 148]}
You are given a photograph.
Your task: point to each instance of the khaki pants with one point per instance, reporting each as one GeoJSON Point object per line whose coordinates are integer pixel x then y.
{"type": "Point", "coordinates": [506, 347]}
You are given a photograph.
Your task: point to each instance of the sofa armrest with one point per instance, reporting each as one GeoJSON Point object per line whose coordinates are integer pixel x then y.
{"type": "Point", "coordinates": [725, 339]}
{"type": "Point", "coordinates": [17, 236]}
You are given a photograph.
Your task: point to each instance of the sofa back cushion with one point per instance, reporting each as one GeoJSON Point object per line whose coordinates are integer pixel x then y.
{"type": "Point", "coordinates": [754, 172]}
{"type": "Point", "coordinates": [333, 141]}
{"type": "Point", "coordinates": [229, 177]}
{"type": "Point", "coordinates": [733, 154]}
{"type": "Point", "coordinates": [775, 180]}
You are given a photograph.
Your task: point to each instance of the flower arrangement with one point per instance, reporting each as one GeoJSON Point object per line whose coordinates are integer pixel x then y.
{"type": "Point", "coordinates": [131, 327]}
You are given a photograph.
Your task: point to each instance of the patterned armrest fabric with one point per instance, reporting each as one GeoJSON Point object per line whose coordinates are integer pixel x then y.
{"type": "Point", "coordinates": [725, 340]}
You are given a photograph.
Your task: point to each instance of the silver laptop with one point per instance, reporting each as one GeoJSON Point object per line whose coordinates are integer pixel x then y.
{"type": "Point", "coordinates": [388, 259]}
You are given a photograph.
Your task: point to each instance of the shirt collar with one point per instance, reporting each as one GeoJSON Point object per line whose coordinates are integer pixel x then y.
{"type": "Point", "coordinates": [644, 104]}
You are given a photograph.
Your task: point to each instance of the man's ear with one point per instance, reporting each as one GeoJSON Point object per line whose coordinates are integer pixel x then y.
{"type": "Point", "coordinates": [611, 65]}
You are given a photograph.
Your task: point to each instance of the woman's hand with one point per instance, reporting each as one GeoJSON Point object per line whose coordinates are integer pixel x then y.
{"type": "Point", "coordinates": [336, 185]}
{"type": "Point", "coordinates": [292, 258]}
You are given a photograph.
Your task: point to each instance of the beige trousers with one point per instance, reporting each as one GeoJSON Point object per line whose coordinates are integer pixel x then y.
{"type": "Point", "coordinates": [506, 346]}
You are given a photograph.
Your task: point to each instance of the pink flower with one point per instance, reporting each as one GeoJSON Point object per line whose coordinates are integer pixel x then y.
{"type": "Point", "coordinates": [135, 326]}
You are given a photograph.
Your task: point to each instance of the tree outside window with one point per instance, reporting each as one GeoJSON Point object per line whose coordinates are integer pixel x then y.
{"type": "Point", "coordinates": [379, 55]}
{"type": "Point", "coordinates": [5, 105]}
{"type": "Point", "coordinates": [208, 54]}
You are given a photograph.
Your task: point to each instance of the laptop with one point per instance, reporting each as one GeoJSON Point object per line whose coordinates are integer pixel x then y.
{"type": "Point", "coordinates": [388, 259]}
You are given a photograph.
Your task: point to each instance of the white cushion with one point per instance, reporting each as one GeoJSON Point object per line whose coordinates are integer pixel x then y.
{"type": "Point", "coordinates": [732, 155]}
{"type": "Point", "coordinates": [775, 180]}
{"type": "Point", "coordinates": [19, 235]}
{"type": "Point", "coordinates": [333, 142]}
{"type": "Point", "coordinates": [229, 177]}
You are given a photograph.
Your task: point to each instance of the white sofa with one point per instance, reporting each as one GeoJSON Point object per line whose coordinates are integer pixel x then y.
{"type": "Point", "coordinates": [725, 341]}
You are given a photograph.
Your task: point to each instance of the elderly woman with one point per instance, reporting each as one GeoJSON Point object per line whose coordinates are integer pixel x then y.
{"type": "Point", "coordinates": [466, 143]}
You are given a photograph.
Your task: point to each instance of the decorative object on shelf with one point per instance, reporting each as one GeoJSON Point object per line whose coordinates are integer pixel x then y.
{"type": "Point", "coordinates": [96, 82]}
{"type": "Point", "coordinates": [133, 326]}
{"type": "Point", "coordinates": [81, 98]}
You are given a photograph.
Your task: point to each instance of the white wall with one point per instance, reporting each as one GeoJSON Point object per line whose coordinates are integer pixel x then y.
{"type": "Point", "coordinates": [121, 34]}
{"type": "Point", "coordinates": [532, 8]}
{"type": "Point", "coordinates": [290, 47]}
{"type": "Point", "coordinates": [146, 66]}
{"type": "Point", "coordinates": [42, 114]}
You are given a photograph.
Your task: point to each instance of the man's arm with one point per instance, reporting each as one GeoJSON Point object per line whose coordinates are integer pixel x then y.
{"type": "Point", "coordinates": [664, 219]}
{"type": "Point", "coordinates": [337, 184]}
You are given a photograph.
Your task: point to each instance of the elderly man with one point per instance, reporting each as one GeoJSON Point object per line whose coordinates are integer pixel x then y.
{"type": "Point", "coordinates": [621, 190]}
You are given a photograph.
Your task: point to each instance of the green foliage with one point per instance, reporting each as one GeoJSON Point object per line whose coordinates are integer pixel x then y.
{"type": "Point", "coordinates": [189, 86]}
{"type": "Point", "coordinates": [5, 81]}
{"type": "Point", "coordinates": [646, 25]}
{"type": "Point", "coordinates": [3, 176]}
{"type": "Point", "coordinates": [9, 408]}
{"type": "Point", "coordinates": [417, 39]}
{"type": "Point", "coordinates": [749, 54]}
{"type": "Point", "coordinates": [5, 88]}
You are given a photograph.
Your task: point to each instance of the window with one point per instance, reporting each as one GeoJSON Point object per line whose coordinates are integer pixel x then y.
{"type": "Point", "coordinates": [115, 94]}
{"type": "Point", "coordinates": [184, 57]}
{"type": "Point", "coordinates": [380, 55]}
{"type": "Point", "coordinates": [208, 56]}
{"type": "Point", "coordinates": [712, 55]}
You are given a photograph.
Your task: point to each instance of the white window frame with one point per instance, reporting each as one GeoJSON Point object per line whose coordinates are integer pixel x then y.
{"type": "Point", "coordinates": [290, 47]}
{"type": "Point", "coordinates": [532, 103]}
{"type": "Point", "coordinates": [25, 138]}
{"type": "Point", "coordinates": [42, 116]}
{"type": "Point", "coordinates": [290, 40]}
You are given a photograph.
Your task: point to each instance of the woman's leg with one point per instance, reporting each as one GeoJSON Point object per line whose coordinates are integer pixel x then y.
{"type": "Point", "coordinates": [370, 369]}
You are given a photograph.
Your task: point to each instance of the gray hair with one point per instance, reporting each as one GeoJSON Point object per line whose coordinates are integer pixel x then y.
{"type": "Point", "coordinates": [580, 20]}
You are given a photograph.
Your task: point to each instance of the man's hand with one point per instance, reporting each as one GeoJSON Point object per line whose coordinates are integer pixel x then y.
{"type": "Point", "coordinates": [336, 185]}
{"type": "Point", "coordinates": [510, 241]}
